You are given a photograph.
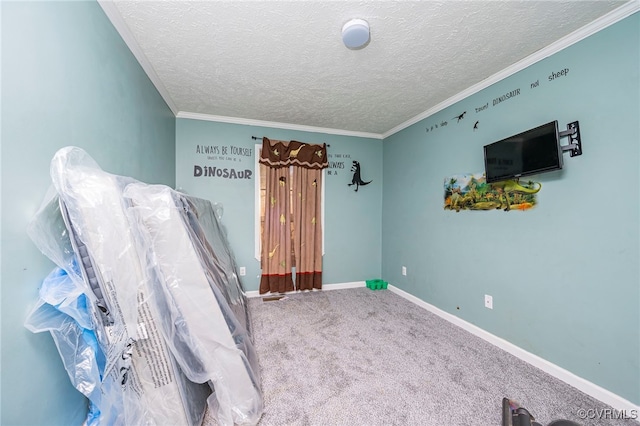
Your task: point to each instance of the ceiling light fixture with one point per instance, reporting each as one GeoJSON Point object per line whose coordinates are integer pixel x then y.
{"type": "Point", "coordinates": [355, 33]}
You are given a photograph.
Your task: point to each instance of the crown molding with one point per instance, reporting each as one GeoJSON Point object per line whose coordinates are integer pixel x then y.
{"type": "Point", "coordinates": [599, 24]}
{"type": "Point", "coordinates": [110, 9]}
{"type": "Point", "coordinates": [277, 125]}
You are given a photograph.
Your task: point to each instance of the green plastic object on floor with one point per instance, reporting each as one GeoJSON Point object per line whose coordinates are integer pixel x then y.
{"type": "Point", "coordinates": [376, 284]}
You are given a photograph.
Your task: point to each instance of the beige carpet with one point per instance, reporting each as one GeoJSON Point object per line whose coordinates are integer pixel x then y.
{"type": "Point", "coordinates": [363, 357]}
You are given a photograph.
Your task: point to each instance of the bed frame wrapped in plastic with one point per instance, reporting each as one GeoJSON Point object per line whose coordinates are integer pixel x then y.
{"type": "Point", "coordinates": [139, 374]}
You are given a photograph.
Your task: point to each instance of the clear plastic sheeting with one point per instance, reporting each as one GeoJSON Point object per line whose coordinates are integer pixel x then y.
{"type": "Point", "coordinates": [48, 231]}
{"type": "Point", "coordinates": [196, 292]}
{"type": "Point", "coordinates": [94, 213]}
{"type": "Point", "coordinates": [142, 345]}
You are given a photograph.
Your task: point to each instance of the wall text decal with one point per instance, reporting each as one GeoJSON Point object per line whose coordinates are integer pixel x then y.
{"type": "Point", "coordinates": [482, 108]}
{"type": "Point", "coordinates": [514, 92]}
{"type": "Point", "coordinates": [223, 152]}
{"type": "Point", "coordinates": [226, 173]}
{"type": "Point", "coordinates": [336, 163]}
{"type": "Point", "coordinates": [225, 159]}
{"type": "Point", "coordinates": [558, 74]}
{"type": "Point", "coordinates": [434, 127]}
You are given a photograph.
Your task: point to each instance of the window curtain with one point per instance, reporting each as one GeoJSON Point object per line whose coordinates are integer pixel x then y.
{"type": "Point", "coordinates": [305, 189]}
{"type": "Point", "coordinates": [307, 239]}
{"type": "Point", "coordinates": [276, 258]}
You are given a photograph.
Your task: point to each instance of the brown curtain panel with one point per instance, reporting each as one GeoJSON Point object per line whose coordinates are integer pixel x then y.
{"type": "Point", "coordinates": [307, 240]}
{"type": "Point", "coordinates": [307, 160]}
{"type": "Point", "coordinates": [276, 236]}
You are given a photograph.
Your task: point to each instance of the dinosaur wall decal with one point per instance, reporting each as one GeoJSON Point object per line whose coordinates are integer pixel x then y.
{"type": "Point", "coordinates": [472, 192]}
{"type": "Point", "coordinates": [357, 179]}
{"type": "Point", "coordinates": [459, 117]}
{"type": "Point", "coordinates": [508, 187]}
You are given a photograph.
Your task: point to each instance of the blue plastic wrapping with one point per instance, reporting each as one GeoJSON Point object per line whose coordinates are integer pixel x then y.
{"type": "Point", "coordinates": [62, 311]}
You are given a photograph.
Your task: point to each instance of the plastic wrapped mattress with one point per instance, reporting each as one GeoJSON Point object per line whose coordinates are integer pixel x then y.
{"type": "Point", "coordinates": [140, 376]}
{"type": "Point", "coordinates": [196, 298]}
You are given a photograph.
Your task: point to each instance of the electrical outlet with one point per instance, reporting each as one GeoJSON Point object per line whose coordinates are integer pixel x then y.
{"type": "Point", "coordinates": [404, 270]}
{"type": "Point", "coordinates": [488, 301]}
{"type": "Point", "coordinates": [243, 271]}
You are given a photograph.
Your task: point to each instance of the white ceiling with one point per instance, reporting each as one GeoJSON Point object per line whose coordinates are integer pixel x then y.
{"type": "Point", "coordinates": [284, 61]}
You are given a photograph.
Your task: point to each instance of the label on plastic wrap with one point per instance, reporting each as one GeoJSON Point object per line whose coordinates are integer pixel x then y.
{"type": "Point", "coordinates": [133, 382]}
{"type": "Point", "coordinates": [142, 331]}
{"type": "Point", "coordinates": [108, 331]}
{"type": "Point", "coordinates": [116, 337]}
{"type": "Point", "coordinates": [153, 349]}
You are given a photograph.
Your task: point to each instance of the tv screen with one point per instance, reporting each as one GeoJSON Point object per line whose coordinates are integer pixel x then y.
{"type": "Point", "coordinates": [535, 151]}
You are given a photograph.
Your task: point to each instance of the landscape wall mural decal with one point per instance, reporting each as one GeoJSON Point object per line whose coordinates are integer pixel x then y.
{"type": "Point", "coordinates": [471, 191]}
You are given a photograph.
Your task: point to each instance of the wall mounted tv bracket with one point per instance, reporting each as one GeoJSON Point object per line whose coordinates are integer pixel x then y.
{"type": "Point", "coordinates": [575, 145]}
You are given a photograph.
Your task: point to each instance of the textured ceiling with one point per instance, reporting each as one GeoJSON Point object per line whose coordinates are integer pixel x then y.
{"type": "Point", "coordinates": [284, 61]}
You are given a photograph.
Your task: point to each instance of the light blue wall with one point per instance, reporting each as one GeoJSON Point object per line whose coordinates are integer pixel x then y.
{"type": "Point", "coordinates": [564, 276]}
{"type": "Point", "coordinates": [67, 79]}
{"type": "Point", "coordinates": [352, 219]}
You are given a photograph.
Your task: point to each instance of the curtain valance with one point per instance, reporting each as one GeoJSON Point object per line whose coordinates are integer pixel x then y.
{"type": "Point", "coordinates": [284, 154]}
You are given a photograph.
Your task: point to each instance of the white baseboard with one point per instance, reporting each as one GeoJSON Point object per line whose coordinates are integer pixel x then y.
{"type": "Point", "coordinates": [617, 402]}
{"type": "Point", "coordinates": [339, 286]}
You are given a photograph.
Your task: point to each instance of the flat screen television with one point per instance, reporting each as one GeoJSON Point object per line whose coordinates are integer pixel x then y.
{"type": "Point", "coordinates": [535, 151]}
